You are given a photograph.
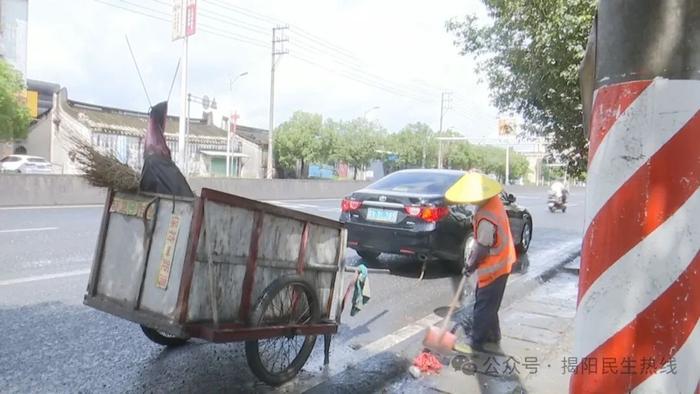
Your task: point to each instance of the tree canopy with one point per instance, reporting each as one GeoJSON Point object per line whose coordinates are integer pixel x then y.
{"type": "Point", "coordinates": [14, 115]}
{"type": "Point", "coordinates": [307, 139]}
{"type": "Point", "coordinates": [301, 141]}
{"type": "Point", "coordinates": [359, 142]}
{"type": "Point", "coordinates": [530, 54]}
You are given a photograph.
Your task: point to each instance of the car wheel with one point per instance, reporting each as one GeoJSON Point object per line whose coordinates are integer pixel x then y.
{"type": "Point", "coordinates": [368, 255]}
{"type": "Point", "coordinates": [525, 236]}
{"type": "Point", "coordinates": [456, 266]}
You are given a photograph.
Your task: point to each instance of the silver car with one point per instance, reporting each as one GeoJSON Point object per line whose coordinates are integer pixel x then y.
{"type": "Point", "coordinates": [25, 164]}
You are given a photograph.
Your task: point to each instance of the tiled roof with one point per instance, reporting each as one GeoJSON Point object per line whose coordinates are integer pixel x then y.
{"type": "Point", "coordinates": [119, 121]}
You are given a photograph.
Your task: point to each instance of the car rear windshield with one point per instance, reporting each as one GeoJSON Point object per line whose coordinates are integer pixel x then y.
{"type": "Point", "coordinates": [416, 182]}
{"type": "Point", "coordinates": [9, 159]}
{"type": "Point", "coordinates": [37, 160]}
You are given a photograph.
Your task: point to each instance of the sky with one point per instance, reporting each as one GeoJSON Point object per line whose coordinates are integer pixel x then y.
{"type": "Point", "coordinates": [345, 58]}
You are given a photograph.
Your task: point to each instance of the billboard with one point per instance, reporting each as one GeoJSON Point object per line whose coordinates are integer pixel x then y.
{"type": "Point", "coordinates": [184, 18]}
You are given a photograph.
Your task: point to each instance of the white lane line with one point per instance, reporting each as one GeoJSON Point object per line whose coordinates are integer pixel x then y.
{"type": "Point", "coordinates": [398, 336]}
{"type": "Point", "coordinates": [43, 277]}
{"type": "Point", "coordinates": [23, 230]}
{"type": "Point", "coordinates": [51, 207]}
{"type": "Point", "coordinates": [304, 200]}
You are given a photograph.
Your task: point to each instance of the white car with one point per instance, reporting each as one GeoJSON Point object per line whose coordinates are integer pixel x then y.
{"type": "Point", "coordinates": [25, 164]}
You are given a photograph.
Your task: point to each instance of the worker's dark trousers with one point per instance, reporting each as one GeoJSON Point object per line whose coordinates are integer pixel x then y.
{"type": "Point", "coordinates": [488, 299]}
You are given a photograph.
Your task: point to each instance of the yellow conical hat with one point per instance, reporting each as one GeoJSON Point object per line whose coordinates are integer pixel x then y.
{"type": "Point", "coordinates": [471, 188]}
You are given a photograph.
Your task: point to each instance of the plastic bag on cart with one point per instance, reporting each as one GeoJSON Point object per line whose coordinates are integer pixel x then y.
{"type": "Point", "coordinates": [159, 173]}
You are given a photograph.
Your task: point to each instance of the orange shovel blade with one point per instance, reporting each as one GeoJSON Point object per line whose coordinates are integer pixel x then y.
{"type": "Point", "coordinates": [439, 340]}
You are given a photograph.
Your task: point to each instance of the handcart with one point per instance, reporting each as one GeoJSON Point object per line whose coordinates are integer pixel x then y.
{"type": "Point", "coordinates": [221, 268]}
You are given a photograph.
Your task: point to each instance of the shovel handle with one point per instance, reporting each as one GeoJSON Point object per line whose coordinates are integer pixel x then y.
{"type": "Point", "coordinates": [453, 304]}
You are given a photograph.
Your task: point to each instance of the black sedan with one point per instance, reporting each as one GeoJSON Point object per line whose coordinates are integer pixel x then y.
{"type": "Point", "coordinates": [405, 213]}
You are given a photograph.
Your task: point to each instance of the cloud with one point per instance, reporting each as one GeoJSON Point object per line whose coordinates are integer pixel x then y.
{"type": "Point", "coordinates": [400, 46]}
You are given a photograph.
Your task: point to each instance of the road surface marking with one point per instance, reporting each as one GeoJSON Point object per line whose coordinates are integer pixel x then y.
{"type": "Point", "coordinates": [303, 200]}
{"type": "Point", "coordinates": [43, 277]}
{"type": "Point", "coordinates": [51, 207]}
{"type": "Point", "coordinates": [23, 230]}
{"type": "Point", "coordinates": [399, 335]}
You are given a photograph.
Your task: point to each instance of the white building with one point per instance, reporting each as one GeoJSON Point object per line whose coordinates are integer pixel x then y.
{"type": "Point", "coordinates": [122, 132]}
{"type": "Point", "coordinates": [13, 33]}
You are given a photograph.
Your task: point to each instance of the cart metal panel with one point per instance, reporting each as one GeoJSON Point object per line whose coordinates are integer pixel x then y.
{"type": "Point", "coordinates": [226, 251]}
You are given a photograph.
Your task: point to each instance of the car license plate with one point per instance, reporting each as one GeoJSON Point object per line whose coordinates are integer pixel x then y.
{"type": "Point", "coordinates": [382, 215]}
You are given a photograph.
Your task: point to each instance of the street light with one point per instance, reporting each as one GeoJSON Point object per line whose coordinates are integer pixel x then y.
{"type": "Point", "coordinates": [243, 74]}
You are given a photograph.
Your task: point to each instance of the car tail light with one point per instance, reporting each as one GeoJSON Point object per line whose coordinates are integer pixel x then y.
{"type": "Point", "coordinates": [412, 210]}
{"type": "Point", "coordinates": [350, 205]}
{"type": "Point", "coordinates": [433, 214]}
{"type": "Point", "coordinates": [427, 213]}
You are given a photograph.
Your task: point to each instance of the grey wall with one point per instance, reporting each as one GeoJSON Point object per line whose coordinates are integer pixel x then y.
{"type": "Point", "coordinates": [19, 189]}
{"type": "Point", "coordinates": [24, 189]}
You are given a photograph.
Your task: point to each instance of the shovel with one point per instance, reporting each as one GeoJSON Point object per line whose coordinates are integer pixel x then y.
{"type": "Point", "coordinates": [439, 339]}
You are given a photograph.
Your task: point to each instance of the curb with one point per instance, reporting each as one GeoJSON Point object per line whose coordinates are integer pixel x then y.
{"type": "Point", "coordinates": [518, 289]}
{"type": "Point", "coordinates": [383, 369]}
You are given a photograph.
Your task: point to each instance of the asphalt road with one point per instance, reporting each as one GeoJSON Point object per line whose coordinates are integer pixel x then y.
{"type": "Point", "coordinates": [52, 343]}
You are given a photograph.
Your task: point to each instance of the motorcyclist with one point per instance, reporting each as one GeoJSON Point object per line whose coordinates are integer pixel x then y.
{"type": "Point", "coordinates": [558, 190]}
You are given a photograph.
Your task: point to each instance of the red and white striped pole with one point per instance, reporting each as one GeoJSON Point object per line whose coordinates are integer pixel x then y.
{"type": "Point", "coordinates": [637, 324]}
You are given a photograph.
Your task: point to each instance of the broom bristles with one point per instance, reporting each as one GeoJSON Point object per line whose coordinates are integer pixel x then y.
{"type": "Point", "coordinates": [101, 169]}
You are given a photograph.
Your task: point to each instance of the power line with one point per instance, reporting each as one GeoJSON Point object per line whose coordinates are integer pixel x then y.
{"type": "Point", "coordinates": [203, 27]}
{"type": "Point", "coordinates": [359, 80]}
{"type": "Point", "coordinates": [354, 73]}
{"type": "Point", "coordinates": [341, 55]}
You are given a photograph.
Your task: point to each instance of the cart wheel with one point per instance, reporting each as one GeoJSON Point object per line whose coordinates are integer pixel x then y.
{"type": "Point", "coordinates": [162, 338]}
{"type": "Point", "coordinates": [288, 300]}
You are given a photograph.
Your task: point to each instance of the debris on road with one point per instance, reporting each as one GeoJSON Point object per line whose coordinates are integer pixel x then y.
{"type": "Point", "coordinates": [426, 362]}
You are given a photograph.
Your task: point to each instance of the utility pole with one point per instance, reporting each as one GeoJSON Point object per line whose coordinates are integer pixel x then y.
{"type": "Point", "coordinates": [445, 101]}
{"type": "Point", "coordinates": [638, 293]}
{"type": "Point", "coordinates": [278, 37]}
{"type": "Point", "coordinates": [184, 25]}
{"type": "Point", "coordinates": [182, 130]}
{"type": "Point", "coordinates": [507, 162]}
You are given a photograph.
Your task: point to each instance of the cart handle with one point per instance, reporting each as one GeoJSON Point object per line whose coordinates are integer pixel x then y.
{"type": "Point", "coordinates": [144, 217]}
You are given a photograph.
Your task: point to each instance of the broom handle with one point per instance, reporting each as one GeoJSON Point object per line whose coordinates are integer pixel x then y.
{"type": "Point", "coordinates": [454, 303]}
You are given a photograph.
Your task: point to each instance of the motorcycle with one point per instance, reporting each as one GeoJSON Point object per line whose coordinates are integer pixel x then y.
{"type": "Point", "coordinates": [556, 203]}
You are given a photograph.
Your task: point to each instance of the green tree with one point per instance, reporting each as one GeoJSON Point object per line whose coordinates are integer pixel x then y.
{"type": "Point", "coordinates": [461, 156]}
{"type": "Point", "coordinates": [488, 159]}
{"type": "Point", "coordinates": [14, 115]}
{"type": "Point", "coordinates": [300, 141]}
{"type": "Point", "coordinates": [359, 141]}
{"type": "Point", "coordinates": [530, 54]}
{"type": "Point", "coordinates": [415, 145]}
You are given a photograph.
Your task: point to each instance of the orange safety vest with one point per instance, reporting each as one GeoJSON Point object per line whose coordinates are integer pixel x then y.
{"type": "Point", "coordinates": [501, 255]}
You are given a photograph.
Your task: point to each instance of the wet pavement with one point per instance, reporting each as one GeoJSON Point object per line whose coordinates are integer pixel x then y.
{"type": "Point", "coordinates": [537, 337]}
{"type": "Point", "coordinates": [52, 343]}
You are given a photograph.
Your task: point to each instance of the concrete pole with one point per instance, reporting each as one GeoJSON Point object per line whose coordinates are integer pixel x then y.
{"type": "Point", "coordinates": [442, 114]}
{"type": "Point", "coordinates": [272, 113]}
{"type": "Point", "coordinates": [639, 298]}
{"type": "Point", "coordinates": [507, 162]}
{"type": "Point", "coordinates": [228, 150]}
{"type": "Point", "coordinates": [182, 130]}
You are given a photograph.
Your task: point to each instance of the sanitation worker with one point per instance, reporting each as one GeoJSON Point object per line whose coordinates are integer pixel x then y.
{"type": "Point", "coordinates": [492, 254]}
